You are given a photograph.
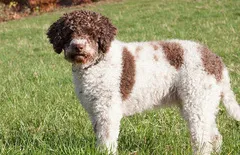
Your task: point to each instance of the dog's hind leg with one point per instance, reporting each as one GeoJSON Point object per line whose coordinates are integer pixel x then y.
{"type": "Point", "coordinates": [216, 138]}
{"type": "Point", "coordinates": [199, 108]}
{"type": "Point", "coordinates": [200, 128]}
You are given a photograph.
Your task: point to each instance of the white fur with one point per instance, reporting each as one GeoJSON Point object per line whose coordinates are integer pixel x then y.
{"type": "Point", "coordinates": [78, 41]}
{"type": "Point", "coordinates": [198, 93]}
{"type": "Point", "coordinates": [84, 43]}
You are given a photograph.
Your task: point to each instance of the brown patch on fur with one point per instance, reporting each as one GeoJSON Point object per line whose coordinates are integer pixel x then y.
{"type": "Point", "coordinates": [81, 23]}
{"type": "Point", "coordinates": [155, 47]}
{"type": "Point", "coordinates": [155, 57]}
{"type": "Point", "coordinates": [221, 95]}
{"type": "Point", "coordinates": [107, 134]}
{"type": "Point", "coordinates": [59, 34]}
{"type": "Point", "coordinates": [212, 63]}
{"type": "Point", "coordinates": [174, 53]}
{"type": "Point", "coordinates": [138, 49]}
{"type": "Point", "coordinates": [128, 74]}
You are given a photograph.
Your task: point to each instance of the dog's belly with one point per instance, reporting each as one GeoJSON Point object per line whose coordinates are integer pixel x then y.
{"type": "Point", "coordinates": [146, 100]}
{"type": "Point", "coordinates": [154, 87]}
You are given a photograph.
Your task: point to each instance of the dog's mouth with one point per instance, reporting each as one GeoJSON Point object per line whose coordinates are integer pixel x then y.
{"type": "Point", "coordinates": [80, 58]}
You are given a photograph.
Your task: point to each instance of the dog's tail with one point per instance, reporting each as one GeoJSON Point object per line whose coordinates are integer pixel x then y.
{"type": "Point", "coordinates": [228, 97]}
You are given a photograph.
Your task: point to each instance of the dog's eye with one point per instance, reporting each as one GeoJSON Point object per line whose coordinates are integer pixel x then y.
{"type": "Point", "coordinates": [99, 42]}
{"type": "Point", "coordinates": [66, 45]}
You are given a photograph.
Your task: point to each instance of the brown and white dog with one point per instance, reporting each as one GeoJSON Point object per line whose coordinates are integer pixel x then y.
{"type": "Point", "coordinates": [114, 79]}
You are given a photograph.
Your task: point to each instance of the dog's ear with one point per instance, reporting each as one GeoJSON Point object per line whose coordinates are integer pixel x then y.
{"type": "Point", "coordinates": [59, 34]}
{"type": "Point", "coordinates": [106, 34]}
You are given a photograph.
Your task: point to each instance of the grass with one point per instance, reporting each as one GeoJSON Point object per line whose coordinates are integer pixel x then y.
{"type": "Point", "coordinates": [38, 108]}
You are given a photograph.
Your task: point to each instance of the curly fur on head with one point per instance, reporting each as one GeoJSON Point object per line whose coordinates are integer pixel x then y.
{"type": "Point", "coordinates": [80, 23]}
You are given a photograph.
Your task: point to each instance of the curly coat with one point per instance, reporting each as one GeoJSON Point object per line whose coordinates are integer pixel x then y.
{"type": "Point", "coordinates": [134, 77]}
{"type": "Point", "coordinates": [93, 24]}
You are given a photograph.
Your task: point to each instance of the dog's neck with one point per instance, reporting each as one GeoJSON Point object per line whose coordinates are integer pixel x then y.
{"type": "Point", "coordinates": [82, 67]}
{"type": "Point", "coordinates": [115, 46]}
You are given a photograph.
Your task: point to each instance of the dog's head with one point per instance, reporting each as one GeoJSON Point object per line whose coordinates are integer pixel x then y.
{"type": "Point", "coordinates": [83, 35]}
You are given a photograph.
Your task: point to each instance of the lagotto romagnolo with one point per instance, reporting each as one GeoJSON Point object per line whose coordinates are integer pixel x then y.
{"type": "Point", "coordinates": [114, 79]}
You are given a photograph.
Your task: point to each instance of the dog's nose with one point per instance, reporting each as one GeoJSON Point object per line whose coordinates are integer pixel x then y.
{"type": "Point", "coordinates": [78, 47]}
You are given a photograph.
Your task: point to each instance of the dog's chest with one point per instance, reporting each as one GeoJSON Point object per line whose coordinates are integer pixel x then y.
{"type": "Point", "coordinates": [95, 87]}
{"type": "Point", "coordinates": [87, 88]}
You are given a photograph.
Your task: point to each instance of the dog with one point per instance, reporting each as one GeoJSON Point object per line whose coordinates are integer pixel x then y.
{"type": "Point", "coordinates": [114, 79]}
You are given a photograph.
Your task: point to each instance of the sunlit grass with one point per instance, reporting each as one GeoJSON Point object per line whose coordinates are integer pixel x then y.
{"type": "Point", "coordinates": [38, 108]}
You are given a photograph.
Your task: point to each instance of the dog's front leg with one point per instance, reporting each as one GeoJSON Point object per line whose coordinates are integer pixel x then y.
{"type": "Point", "coordinates": [106, 124]}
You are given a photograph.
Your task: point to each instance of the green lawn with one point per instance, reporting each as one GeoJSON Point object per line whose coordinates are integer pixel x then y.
{"type": "Point", "coordinates": [39, 113]}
